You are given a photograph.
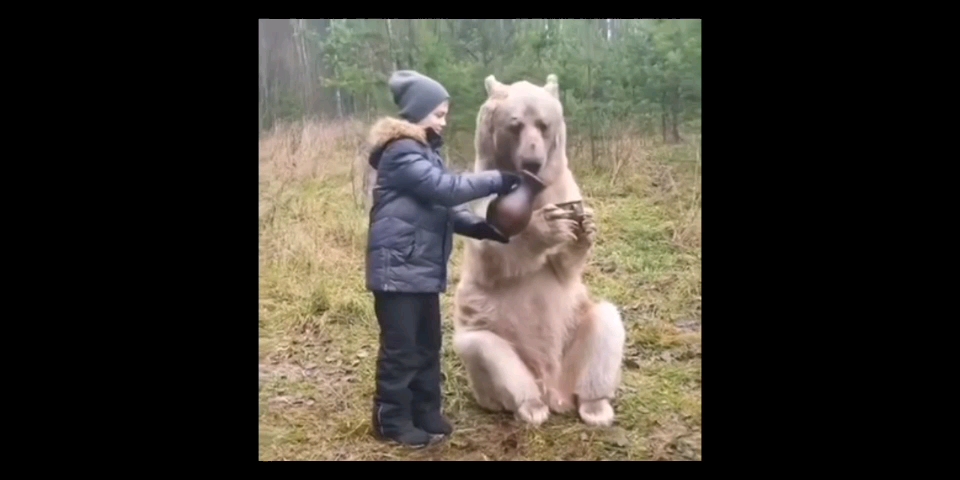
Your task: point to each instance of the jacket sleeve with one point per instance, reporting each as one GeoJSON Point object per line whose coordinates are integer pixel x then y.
{"type": "Point", "coordinates": [405, 167]}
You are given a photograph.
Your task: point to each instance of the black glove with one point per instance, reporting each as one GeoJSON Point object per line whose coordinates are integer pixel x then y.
{"type": "Point", "coordinates": [509, 180]}
{"type": "Point", "coordinates": [485, 231]}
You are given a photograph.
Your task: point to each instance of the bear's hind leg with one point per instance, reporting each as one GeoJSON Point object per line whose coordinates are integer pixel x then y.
{"type": "Point", "coordinates": [602, 376]}
{"type": "Point", "coordinates": [574, 363]}
{"type": "Point", "coordinates": [481, 383]}
{"type": "Point", "coordinates": [500, 374]}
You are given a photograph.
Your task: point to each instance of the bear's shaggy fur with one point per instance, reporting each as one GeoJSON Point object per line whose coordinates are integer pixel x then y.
{"type": "Point", "coordinates": [530, 336]}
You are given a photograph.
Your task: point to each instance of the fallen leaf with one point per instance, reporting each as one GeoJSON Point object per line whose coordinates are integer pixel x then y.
{"type": "Point", "coordinates": [689, 325]}
{"type": "Point", "coordinates": [618, 437]}
{"type": "Point", "coordinates": [362, 354]}
{"type": "Point", "coordinates": [510, 442]}
{"type": "Point", "coordinates": [355, 363]}
{"type": "Point", "coordinates": [329, 359]}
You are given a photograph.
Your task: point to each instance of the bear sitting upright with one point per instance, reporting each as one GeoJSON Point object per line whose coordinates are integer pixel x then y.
{"type": "Point", "coordinates": [530, 336]}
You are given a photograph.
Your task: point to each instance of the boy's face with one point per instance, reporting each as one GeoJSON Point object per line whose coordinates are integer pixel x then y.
{"type": "Point", "coordinates": [437, 118]}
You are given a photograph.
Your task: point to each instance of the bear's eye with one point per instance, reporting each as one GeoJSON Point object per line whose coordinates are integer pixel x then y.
{"type": "Point", "coordinates": [541, 125]}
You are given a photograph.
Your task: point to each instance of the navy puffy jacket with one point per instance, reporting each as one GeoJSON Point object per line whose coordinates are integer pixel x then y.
{"type": "Point", "coordinates": [417, 207]}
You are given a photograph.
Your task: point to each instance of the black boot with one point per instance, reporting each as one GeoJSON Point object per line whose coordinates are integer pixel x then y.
{"type": "Point", "coordinates": [426, 385]}
{"type": "Point", "coordinates": [405, 434]}
{"type": "Point", "coordinates": [432, 422]}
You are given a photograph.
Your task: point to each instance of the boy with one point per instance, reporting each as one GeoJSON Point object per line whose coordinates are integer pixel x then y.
{"type": "Point", "coordinates": [417, 207]}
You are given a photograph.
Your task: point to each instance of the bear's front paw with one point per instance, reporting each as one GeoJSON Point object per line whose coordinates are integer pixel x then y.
{"type": "Point", "coordinates": [533, 411]}
{"type": "Point", "coordinates": [597, 413]}
{"type": "Point", "coordinates": [556, 225]}
{"type": "Point", "coordinates": [587, 233]}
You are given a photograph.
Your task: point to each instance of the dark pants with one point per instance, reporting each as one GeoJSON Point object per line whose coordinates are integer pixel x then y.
{"type": "Point", "coordinates": [408, 365]}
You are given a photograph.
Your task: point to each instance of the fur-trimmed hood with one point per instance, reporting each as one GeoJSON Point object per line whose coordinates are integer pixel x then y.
{"type": "Point", "coordinates": [388, 129]}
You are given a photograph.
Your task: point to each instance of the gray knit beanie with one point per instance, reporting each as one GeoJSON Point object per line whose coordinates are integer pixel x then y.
{"type": "Point", "coordinates": [416, 95]}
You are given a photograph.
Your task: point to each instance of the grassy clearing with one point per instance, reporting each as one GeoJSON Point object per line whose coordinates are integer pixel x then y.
{"type": "Point", "coordinates": [318, 334]}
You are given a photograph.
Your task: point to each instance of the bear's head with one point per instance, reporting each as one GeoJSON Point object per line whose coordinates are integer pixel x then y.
{"type": "Point", "coordinates": [521, 127]}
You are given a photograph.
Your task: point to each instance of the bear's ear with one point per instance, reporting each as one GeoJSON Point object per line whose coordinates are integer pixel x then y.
{"type": "Point", "coordinates": [492, 84]}
{"type": "Point", "coordinates": [552, 87]}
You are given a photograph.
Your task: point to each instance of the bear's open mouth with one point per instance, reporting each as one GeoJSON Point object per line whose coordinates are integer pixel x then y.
{"type": "Point", "coordinates": [532, 167]}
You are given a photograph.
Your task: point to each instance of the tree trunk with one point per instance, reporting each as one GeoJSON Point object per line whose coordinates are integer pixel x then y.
{"type": "Point", "coordinates": [391, 48]}
{"type": "Point", "coordinates": [593, 133]}
{"type": "Point", "coordinates": [339, 103]}
{"type": "Point", "coordinates": [412, 39]}
{"type": "Point", "coordinates": [663, 116]}
{"type": "Point", "coordinates": [675, 114]}
{"type": "Point", "coordinates": [300, 46]}
{"type": "Point", "coordinates": [324, 101]}
{"type": "Point", "coordinates": [264, 89]}
{"type": "Point", "coordinates": [485, 53]}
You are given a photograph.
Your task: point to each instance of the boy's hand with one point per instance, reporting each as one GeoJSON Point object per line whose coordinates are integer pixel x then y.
{"type": "Point", "coordinates": [510, 180]}
{"type": "Point", "coordinates": [485, 231]}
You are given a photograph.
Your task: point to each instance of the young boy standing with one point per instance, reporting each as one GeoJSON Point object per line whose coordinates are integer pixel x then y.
{"type": "Point", "coordinates": [417, 207]}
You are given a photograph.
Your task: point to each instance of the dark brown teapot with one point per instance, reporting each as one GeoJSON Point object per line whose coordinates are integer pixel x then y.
{"type": "Point", "coordinates": [510, 213]}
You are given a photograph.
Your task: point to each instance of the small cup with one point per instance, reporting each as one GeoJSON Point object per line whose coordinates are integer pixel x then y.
{"type": "Point", "coordinates": [575, 206]}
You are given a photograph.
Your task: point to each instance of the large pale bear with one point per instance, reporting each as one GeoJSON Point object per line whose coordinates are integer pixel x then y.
{"type": "Point", "coordinates": [526, 329]}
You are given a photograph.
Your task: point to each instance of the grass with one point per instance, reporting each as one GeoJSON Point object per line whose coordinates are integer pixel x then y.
{"type": "Point", "coordinates": [318, 334]}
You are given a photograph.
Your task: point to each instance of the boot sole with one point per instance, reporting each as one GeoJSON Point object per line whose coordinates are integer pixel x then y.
{"type": "Point", "coordinates": [434, 440]}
